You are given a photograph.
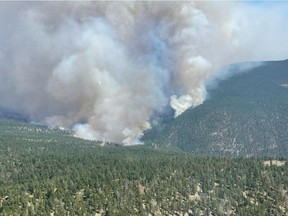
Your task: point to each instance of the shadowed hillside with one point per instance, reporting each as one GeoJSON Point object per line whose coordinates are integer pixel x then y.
{"type": "Point", "coordinates": [245, 115]}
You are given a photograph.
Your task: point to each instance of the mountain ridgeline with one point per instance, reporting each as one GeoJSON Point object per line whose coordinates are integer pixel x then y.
{"type": "Point", "coordinates": [246, 115]}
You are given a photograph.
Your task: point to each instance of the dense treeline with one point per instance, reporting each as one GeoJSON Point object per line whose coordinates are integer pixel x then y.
{"type": "Point", "coordinates": [51, 173]}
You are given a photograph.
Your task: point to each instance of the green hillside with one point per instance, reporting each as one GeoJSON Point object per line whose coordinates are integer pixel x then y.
{"type": "Point", "coordinates": [245, 115]}
{"type": "Point", "coordinates": [48, 172]}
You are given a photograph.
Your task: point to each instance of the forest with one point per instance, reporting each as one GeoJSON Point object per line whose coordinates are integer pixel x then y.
{"type": "Point", "coordinates": [48, 172]}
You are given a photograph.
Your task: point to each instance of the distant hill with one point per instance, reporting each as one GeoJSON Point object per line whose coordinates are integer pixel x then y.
{"type": "Point", "coordinates": [246, 115]}
{"type": "Point", "coordinates": [6, 113]}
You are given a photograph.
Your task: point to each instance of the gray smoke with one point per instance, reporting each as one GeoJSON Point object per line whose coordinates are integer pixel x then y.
{"type": "Point", "coordinates": [104, 69]}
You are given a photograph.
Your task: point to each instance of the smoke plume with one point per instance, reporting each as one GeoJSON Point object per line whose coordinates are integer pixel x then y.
{"type": "Point", "coordinates": [104, 69]}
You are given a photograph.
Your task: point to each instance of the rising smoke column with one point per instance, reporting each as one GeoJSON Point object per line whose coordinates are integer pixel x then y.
{"type": "Point", "coordinates": [104, 69]}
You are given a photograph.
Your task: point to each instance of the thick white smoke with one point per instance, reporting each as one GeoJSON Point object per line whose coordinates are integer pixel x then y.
{"type": "Point", "coordinates": [104, 69]}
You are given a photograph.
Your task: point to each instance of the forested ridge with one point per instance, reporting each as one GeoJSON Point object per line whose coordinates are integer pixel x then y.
{"type": "Point", "coordinates": [48, 172]}
{"type": "Point", "coordinates": [246, 115]}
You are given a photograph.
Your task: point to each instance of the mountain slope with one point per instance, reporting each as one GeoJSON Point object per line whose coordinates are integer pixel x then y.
{"type": "Point", "coordinates": [246, 115]}
{"type": "Point", "coordinates": [49, 172]}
